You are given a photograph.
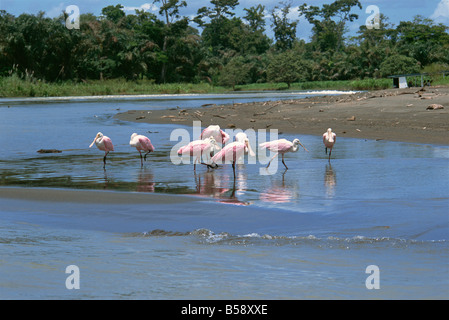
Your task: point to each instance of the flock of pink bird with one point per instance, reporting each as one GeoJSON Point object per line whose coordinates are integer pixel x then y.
{"type": "Point", "coordinates": [211, 140]}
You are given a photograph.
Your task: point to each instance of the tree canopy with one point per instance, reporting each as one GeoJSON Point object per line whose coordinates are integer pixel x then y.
{"type": "Point", "coordinates": [217, 45]}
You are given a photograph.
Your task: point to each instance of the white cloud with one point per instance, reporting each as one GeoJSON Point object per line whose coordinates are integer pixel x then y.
{"type": "Point", "coordinates": [441, 13]}
{"type": "Point", "coordinates": [144, 7]}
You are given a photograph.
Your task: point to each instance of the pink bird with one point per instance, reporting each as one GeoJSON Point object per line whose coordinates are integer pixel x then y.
{"type": "Point", "coordinates": [214, 131]}
{"type": "Point", "coordinates": [242, 137]}
{"type": "Point", "coordinates": [281, 146]}
{"type": "Point", "coordinates": [141, 143]}
{"type": "Point", "coordinates": [329, 139]}
{"type": "Point", "coordinates": [231, 152]}
{"type": "Point", "coordinates": [197, 148]}
{"type": "Point", "coordinates": [103, 143]}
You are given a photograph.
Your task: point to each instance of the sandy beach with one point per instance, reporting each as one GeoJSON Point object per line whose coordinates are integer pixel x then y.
{"type": "Point", "coordinates": [392, 114]}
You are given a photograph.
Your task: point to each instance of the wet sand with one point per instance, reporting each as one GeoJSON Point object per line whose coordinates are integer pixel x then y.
{"type": "Point", "coordinates": [93, 197]}
{"type": "Point", "coordinates": [392, 114]}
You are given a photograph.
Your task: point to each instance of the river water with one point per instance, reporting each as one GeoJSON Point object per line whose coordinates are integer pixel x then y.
{"type": "Point", "coordinates": [306, 233]}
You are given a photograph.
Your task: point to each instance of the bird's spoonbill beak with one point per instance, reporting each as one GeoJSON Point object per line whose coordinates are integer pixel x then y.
{"type": "Point", "coordinates": [303, 146]}
{"type": "Point", "coordinates": [93, 141]}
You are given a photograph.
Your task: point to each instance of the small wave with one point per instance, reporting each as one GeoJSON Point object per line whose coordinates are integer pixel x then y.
{"type": "Point", "coordinates": [207, 236]}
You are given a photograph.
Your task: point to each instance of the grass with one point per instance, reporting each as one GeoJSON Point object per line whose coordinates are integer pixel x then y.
{"type": "Point", "coordinates": [14, 86]}
{"type": "Point", "coordinates": [442, 81]}
{"type": "Point", "coordinates": [366, 84]}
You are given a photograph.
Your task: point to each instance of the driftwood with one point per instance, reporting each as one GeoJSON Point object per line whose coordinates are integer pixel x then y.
{"type": "Point", "coordinates": [434, 106]}
{"type": "Point", "coordinates": [219, 116]}
{"type": "Point", "coordinates": [49, 151]}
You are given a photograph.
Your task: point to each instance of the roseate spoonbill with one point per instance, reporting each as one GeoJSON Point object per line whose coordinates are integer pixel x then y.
{"type": "Point", "coordinates": [242, 137]}
{"type": "Point", "coordinates": [103, 143]}
{"type": "Point", "coordinates": [231, 152]}
{"type": "Point", "coordinates": [329, 139]}
{"type": "Point", "coordinates": [197, 148]}
{"type": "Point", "coordinates": [281, 146]}
{"type": "Point", "coordinates": [141, 143]}
{"type": "Point", "coordinates": [214, 131]}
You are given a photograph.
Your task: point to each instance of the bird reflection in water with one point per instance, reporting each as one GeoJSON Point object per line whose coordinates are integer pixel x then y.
{"type": "Point", "coordinates": [222, 187]}
{"type": "Point", "coordinates": [106, 181]}
{"type": "Point", "coordinates": [330, 181]}
{"type": "Point", "coordinates": [145, 181]}
{"type": "Point", "coordinates": [280, 192]}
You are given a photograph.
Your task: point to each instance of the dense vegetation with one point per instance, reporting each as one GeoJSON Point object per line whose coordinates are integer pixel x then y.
{"type": "Point", "coordinates": [223, 49]}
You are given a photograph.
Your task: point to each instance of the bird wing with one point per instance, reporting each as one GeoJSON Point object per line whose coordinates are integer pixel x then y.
{"type": "Point", "coordinates": [230, 152]}
{"type": "Point", "coordinates": [146, 143]}
{"type": "Point", "coordinates": [224, 137]}
{"type": "Point", "coordinates": [108, 144]}
{"type": "Point", "coordinates": [196, 148]}
{"type": "Point", "coordinates": [203, 134]}
{"type": "Point", "coordinates": [209, 131]}
{"type": "Point", "coordinates": [277, 145]}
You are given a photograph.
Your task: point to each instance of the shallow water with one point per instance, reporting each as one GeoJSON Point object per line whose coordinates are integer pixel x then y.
{"type": "Point", "coordinates": [305, 233]}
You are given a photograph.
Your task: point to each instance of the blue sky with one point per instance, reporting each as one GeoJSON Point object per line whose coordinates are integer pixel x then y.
{"type": "Point", "coordinates": [395, 10]}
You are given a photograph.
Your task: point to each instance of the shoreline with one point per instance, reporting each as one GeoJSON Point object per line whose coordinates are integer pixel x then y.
{"type": "Point", "coordinates": [390, 114]}
{"type": "Point", "coordinates": [93, 196]}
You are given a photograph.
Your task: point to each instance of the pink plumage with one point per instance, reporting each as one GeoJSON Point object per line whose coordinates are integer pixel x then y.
{"type": "Point", "coordinates": [141, 143]}
{"type": "Point", "coordinates": [281, 146]}
{"type": "Point", "coordinates": [198, 148]}
{"type": "Point", "coordinates": [214, 131]}
{"type": "Point", "coordinates": [195, 148]}
{"type": "Point", "coordinates": [103, 143]}
{"type": "Point", "coordinates": [329, 139]}
{"type": "Point", "coordinates": [231, 152]}
{"type": "Point", "coordinates": [108, 146]}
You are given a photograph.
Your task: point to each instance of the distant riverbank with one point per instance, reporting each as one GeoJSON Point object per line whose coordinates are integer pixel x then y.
{"type": "Point", "coordinates": [392, 114]}
{"type": "Point", "coordinates": [14, 86]}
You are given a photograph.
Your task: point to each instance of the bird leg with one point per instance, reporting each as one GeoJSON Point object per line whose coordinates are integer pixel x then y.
{"type": "Point", "coordinates": [233, 168]}
{"type": "Point", "coordinates": [330, 152]}
{"type": "Point", "coordinates": [104, 159]}
{"type": "Point", "coordinates": [325, 150]}
{"type": "Point", "coordinates": [145, 156]}
{"type": "Point", "coordinates": [284, 162]}
{"type": "Point", "coordinates": [272, 159]}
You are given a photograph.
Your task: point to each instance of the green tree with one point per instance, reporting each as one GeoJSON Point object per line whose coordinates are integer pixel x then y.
{"type": "Point", "coordinates": [113, 13]}
{"type": "Point", "coordinates": [235, 72]}
{"type": "Point", "coordinates": [255, 17]}
{"type": "Point", "coordinates": [284, 29]}
{"type": "Point", "coordinates": [221, 9]}
{"type": "Point", "coordinates": [372, 47]}
{"type": "Point", "coordinates": [399, 64]}
{"type": "Point", "coordinates": [329, 22]}
{"type": "Point", "coordinates": [285, 67]}
{"type": "Point", "coordinates": [170, 9]}
{"type": "Point", "coordinates": [221, 30]}
{"type": "Point", "coordinates": [423, 40]}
